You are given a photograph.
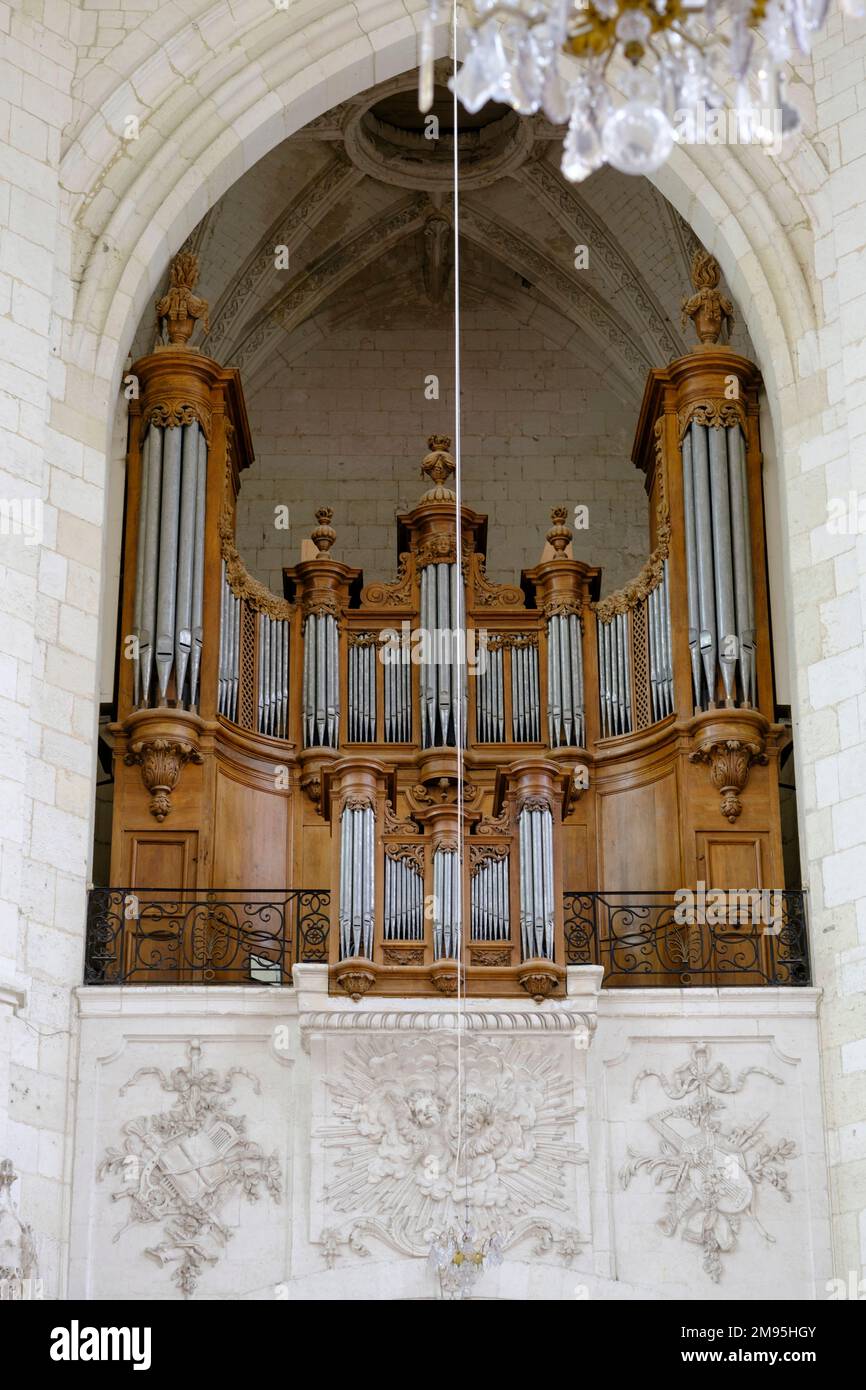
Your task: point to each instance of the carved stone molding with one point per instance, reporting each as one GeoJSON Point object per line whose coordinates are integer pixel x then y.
{"type": "Point", "coordinates": [161, 761]}
{"type": "Point", "coordinates": [729, 761]}
{"type": "Point", "coordinates": [516, 1020]}
{"type": "Point", "coordinates": [712, 1172]}
{"type": "Point", "coordinates": [179, 1166]}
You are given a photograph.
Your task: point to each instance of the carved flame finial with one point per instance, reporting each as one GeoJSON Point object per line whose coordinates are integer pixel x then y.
{"type": "Point", "coordinates": [559, 535]}
{"type": "Point", "coordinates": [179, 309]}
{"type": "Point", "coordinates": [438, 467]}
{"type": "Point", "coordinates": [708, 308]}
{"type": "Point", "coordinates": [324, 534]}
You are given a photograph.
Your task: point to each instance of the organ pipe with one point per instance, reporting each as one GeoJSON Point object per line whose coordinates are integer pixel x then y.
{"type": "Point", "coordinates": [321, 681]}
{"type": "Point", "coordinates": [719, 562]}
{"type": "Point", "coordinates": [357, 886]}
{"type": "Point", "coordinates": [443, 700]}
{"type": "Point", "coordinates": [490, 918]}
{"type": "Point", "coordinates": [535, 836]}
{"type": "Point", "coordinates": [446, 904]}
{"type": "Point", "coordinates": [404, 900]}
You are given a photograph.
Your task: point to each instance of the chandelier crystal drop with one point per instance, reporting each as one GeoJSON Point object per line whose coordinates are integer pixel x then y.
{"type": "Point", "coordinates": [677, 54]}
{"type": "Point", "coordinates": [461, 1258]}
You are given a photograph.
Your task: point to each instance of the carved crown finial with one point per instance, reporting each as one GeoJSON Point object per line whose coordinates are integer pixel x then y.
{"type": "Point", "coordinates": [324, 534]}
{"type": "Point", "coordinates": [708, 308]}
{"type": "Point", "coordinates": [438, 467]}
{"type": "Point", "coordinates": [559, 535]}
{"type": "Point", "coordinates": [179, 309]}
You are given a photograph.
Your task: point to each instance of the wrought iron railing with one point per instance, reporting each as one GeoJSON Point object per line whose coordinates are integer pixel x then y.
{"type": "Point", "coordinates": [254, 936]}
{"type": "Point", "coordinates": [225, 936]}
{"type": "Point", "coordinates": [672, 939]}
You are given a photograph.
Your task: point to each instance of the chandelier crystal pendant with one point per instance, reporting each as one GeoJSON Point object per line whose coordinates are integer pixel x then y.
{"type": "Point", "coordinates": [677, 55]}
{"type": "Point", "coordinates": [461, 1258]}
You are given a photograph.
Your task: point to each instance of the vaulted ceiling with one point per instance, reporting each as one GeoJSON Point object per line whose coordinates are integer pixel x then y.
{"type": "Point", "coordinates": [362, 203]}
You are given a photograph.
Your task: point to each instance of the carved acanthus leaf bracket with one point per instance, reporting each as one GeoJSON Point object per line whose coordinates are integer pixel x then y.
{"type": "Point", "coordinates": [718, 413]}
{"type": "Point", "coordinates": [161, 761]}
{"type": "Point", "coordinates": [490, 595]}
{"type": "Point", "coordinates": [729, 761]}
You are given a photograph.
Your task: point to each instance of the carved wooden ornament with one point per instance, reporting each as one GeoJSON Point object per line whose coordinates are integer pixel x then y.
{"type": "Point", "coordinates": [161, 761]}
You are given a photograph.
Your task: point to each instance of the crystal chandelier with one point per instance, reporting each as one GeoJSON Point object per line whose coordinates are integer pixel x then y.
{"type": "Point", "coordinates": [676, 53]}
{"type": "Point", "coordinates": [461, 1259]}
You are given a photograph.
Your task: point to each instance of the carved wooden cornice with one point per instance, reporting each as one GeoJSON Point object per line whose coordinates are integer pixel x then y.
{"type": "Point", "coordinates": [397, 594]}
{"type": "Point", "coordinates": [650, 576]}
{"type": "Point", "coordinates": [490, 595]}
{"type": "Point", "coordinates": [161, 761]}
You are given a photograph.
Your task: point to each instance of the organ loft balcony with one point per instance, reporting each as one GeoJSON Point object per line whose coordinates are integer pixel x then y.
{"type": "Point", "coordinates": [435, 781]}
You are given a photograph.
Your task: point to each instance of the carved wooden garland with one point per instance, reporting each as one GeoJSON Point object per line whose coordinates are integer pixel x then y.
{"type": "Point", "coordinates": [240, 581]}
{"type": "Point", "coordinates": [562, 608]}
{"type": "Point", "coordinates": [512, 639]}
{"type": "Point", "coordinates": [161, 761]}
{"type": "Point", "coordinates": [649, 578]}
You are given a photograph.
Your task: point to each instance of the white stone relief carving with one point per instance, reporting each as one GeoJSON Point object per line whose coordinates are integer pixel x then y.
{"type": "Point", "coordinates": [712, 1172]}
{"type": "Point", "coordinates": [19, 1269]}
{"type": "Point", "coordinates": [411, 1153]}
{"type": "Point", "coordinates": [179, 1166]}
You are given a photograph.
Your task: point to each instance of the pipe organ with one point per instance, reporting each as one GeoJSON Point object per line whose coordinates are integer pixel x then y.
{"type": "Point", "coordinates": [443, 758]}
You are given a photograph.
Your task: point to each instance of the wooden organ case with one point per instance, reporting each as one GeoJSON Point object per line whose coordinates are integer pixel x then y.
{"type": "Point", "coordinates": [286, 775]}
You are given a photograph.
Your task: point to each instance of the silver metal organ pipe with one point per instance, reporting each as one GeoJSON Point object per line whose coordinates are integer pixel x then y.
{"type": "Point", "coordinates": [151, 559]}
{"type": "Point", "coordinates": [723, 561]}
{"type": "Point", "coordinates": [651, 614]}
{"type": "Point", "coordinates": [741, 535]}
{"type": "Point", "coordinates": [186, 557]}
{"type": "Point", "coordinates": [704, 539]}
{"type": "Point", "coordinates": [138, 605]}
{"type": "Point", "coordinates": [168, 545]}
{"type": "Point", "coordinates": [667, 645]}
{"type": "Point", "coordinates": [692, 582]}
{"type": "Point", "coordinates": [576, 675]}
{"type": "Point", "coordinates": [554, 701]}
{"type": "Point", "coordinates": [198, 569]}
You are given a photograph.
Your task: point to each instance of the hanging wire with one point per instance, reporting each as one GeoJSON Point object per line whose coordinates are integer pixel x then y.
{"type": "Point", "coordinates": [458, 609]}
